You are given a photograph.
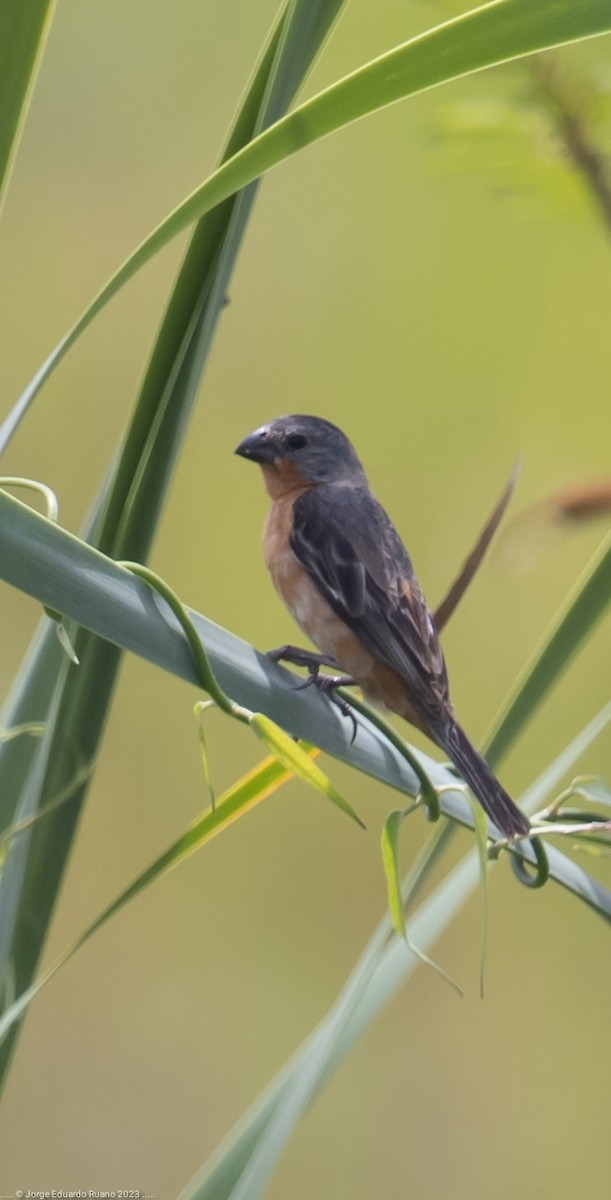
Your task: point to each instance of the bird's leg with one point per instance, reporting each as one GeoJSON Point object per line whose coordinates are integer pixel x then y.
{"type": "Point", "coordinates": [327, 684]}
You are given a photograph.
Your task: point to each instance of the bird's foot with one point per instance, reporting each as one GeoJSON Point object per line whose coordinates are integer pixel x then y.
{"type": "Point", "coordinates": [302, 658]}
{"type": "Point", "coordinates": [327, 684]}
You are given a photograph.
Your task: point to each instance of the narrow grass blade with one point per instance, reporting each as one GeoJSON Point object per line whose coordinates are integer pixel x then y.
{"type": "Point", "coordinates": [27, 703]}
{"type": "Point", "coordinates": [577, 619]}
{"type": "Point", "coordinates": [473, 562]}
{"type": "Point", "coordinates": [23, 29]}
{"type": "Point", "coordinates": [390, 863]}
{"type": "Point", "coordinates": [395, 890]}
{"type": "Point", "coordinates": [489, 35]}
{"type": "Point", "coordinates": [175, 369]}
{"type": "Point", "coordinates": [199, 712]}
{"type": "Point", "coordinates": [76, 703]}
{"type": "Point", "coordinates": [384, 967]}
{"type": "Point", "coordinates": [102, 664]}
{"type": "Point", "coordinates": [239, 799]}
{"type": "Point", "coordinates": [200, 289]}
{"type": "Point", "coordinates": [480, 825]}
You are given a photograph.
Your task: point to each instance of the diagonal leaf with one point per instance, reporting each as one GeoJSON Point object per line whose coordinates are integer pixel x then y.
{"type": "Point", "coordinates": [239, 799]}
{"type": "Point", "coordinates": [294, 758]}
{"type": "Point", "coordinates": [63, 572]}
{"type": "Point", "coordinates": [175, 369]}
{"type": "Point", "coordinates": [492, 34]}
{"type": "Point", "coordinates": [149, 439]}
{"type": "Point", "coordinates": [261, 1135]}
{"type": "Point", "coordinates": [578, 617]}
{"type": "Point", "coordinates": [73, 705]}
{"type": "Point", "coordinates": [456, 592]}
{"type": "Point", "coordinates": [23, 29]}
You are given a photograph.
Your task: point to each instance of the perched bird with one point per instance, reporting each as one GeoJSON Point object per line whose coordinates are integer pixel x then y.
{"type": "Point", "coordinates": [340, 566]}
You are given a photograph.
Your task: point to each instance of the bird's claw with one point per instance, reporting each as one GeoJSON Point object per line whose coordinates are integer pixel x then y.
{"type": "Point", "coordinates": [301, 658]}
{"type": "Point", "coordinates": [327, 684]}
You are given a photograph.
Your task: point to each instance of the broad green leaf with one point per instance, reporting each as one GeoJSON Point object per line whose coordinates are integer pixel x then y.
{"type": "Point", "coordinates": [489, 35]}
{"type": "Point", "coordinates": [66, 574]}
{"type": "Point", "coordinates": [173, 376]}
{"type": "Point", "coordinates": [63, 572]}
{"type": "Point", "coordinates": [129, 521]}
{"type": "Point", "coordinates": [74, 705]}
{"type": "Point", "coordinates": [23, 28]}
{"type": "Point", "coordinates": [294, 758]}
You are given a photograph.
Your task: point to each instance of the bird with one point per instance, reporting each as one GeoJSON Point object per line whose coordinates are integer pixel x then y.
{"type": "Point", "coordinates": [339, 565]}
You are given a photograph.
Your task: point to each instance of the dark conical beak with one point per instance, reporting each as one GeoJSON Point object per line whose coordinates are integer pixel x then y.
{"type": "Point", "coordinates": [258, 447]}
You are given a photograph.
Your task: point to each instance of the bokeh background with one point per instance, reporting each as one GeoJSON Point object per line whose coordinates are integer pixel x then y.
{"type": "Point", "coordinates": [444, 294]}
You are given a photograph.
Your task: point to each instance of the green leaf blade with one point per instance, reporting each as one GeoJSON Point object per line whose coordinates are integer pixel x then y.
{"type": "Point", "coordinates": [583, 609]}
{"type": "Point", "coordinates": [23, 28]}
{"type": "Point", "coordinates": [390, 863]}
{"type": "Point", "coordinates": [488, 36]}
{"type": "Point", "coordinates": [294, 758]}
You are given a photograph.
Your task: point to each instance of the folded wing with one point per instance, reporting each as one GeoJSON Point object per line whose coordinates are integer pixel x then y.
{"type": "Point", "coordinates": [350, 549]}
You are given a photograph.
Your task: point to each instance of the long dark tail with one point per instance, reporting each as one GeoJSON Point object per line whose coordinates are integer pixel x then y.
{"type": "Point", "coordinates": [476, 772]}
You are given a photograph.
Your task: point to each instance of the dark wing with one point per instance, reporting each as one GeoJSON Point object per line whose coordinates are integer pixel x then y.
{"type": "Point", "coordinates": [350, 549]}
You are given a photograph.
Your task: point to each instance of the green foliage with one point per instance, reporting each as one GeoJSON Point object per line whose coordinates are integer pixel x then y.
{"type": "Point", "coordinates": [541, 143]}
{"type": "Point", "coordinates": [22, 31]}
{"type": "Point", "coordinates": [583, 609]}
{"type": "Point", "coordinates": [493, 34]}
{"type": "Point", "coordinates": [243, 1161]}
{"type": "Point", "coordinates": [63, 695]}
{"type": "Point", "coordinates": [239, 799]}
{"type": "Point", "coordinates": [75, 702]}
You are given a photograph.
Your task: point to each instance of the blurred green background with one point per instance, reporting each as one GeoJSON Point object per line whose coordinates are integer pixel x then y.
{"type": "Point", "coordinates": [446, 299]}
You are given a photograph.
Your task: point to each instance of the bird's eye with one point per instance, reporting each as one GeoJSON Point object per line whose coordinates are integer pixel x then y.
{"type": "Point", "coordinates": [296, 441]}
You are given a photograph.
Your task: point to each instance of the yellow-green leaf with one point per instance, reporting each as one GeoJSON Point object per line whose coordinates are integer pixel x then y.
{"type": "Point", "coordinates": [296, 759]}
{"type": "Point", "coordinates": [390, 862]}
{"type": "Point", "coordinates": [249, 791]}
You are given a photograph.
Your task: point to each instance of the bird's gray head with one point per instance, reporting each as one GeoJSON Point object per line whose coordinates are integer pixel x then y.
{"type": "Point", "coordinates": [315, 447]}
